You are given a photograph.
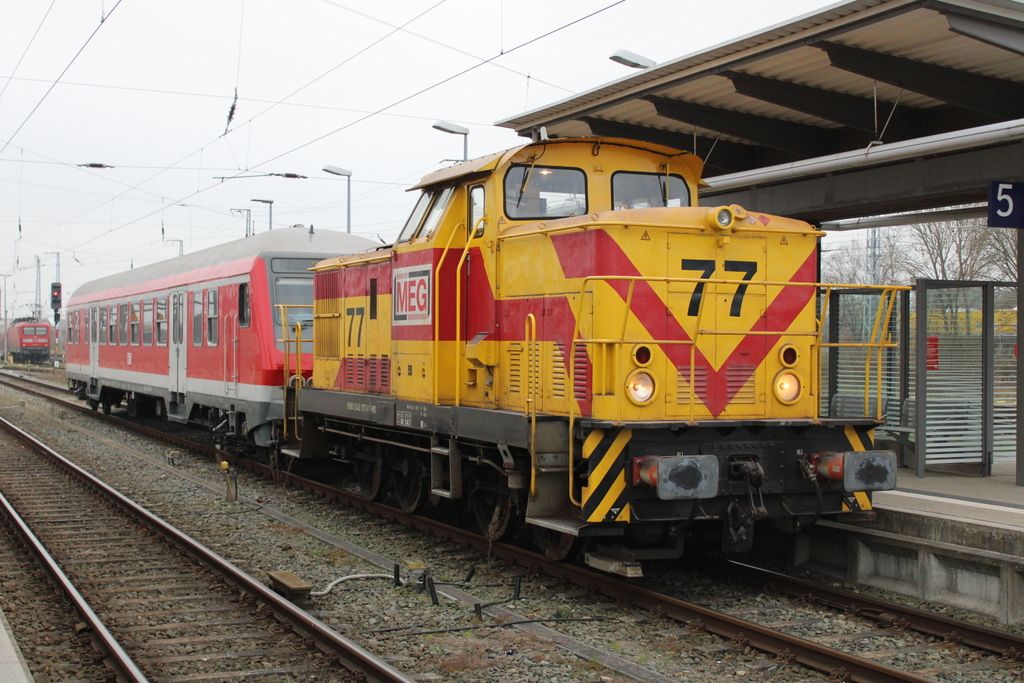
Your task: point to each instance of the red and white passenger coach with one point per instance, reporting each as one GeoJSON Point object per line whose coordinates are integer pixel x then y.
{"type": "Point", "coordinates": [197, 339]}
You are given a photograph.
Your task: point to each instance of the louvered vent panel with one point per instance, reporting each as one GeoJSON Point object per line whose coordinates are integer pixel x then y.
{"type": "Point", "coordinates": [515, 368]}
{"type": "Point", "coordinates": [579, 372]}
{"type": "Point", "coordinates": [558, 372]}
{"type": "Point", "coordinates": [360, 372]}
{"type": "Point", "coordinates": [700, 383]}
{"type": "Point", "coordinates": [374, 368]}
{"type": "Point", "coordinates": [740, 382]}
{"type": "Point", "coordinates": [385, 375]}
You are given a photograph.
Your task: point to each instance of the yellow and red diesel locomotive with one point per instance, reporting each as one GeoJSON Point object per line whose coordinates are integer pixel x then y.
{"type": "Point", "coordinates": [561, 336]}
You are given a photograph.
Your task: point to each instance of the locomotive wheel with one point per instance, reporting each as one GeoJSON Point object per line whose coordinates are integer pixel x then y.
{"type": "Point", "coordinates": [409, 487]}
{"type": "Point", "coordinates": [491, 505]}
{"type": "Point", "coordinates": [369, 475]}
{"type": "Point", "coordinates": [556, 545]}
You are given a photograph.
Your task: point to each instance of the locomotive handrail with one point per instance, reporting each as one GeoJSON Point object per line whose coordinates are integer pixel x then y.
{"type": "Point", "coordinates": [287, 376]}
{"type": "Point", "coordinates": [879, 339]}
{"type": "Point", "coordinates": [435, 390]}
{"type": "Point", "coordinates": [512, 232]}
{"type": "Point", "coordinates": [532, 358]}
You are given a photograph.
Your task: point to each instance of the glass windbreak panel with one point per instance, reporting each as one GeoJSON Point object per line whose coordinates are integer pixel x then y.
{"type": "Point", "coordinates": [92, 322]}
{"type": "Point", "coordinates": [294, 291]}
{"type": "Point", "coordinates": [545, 192]}
{"type": "Point", "coordinates": [416, 217]}
{"type": "Point", "coordinates": [291, 265]}
{"type": "Point", "coordinates": [435, 213]}
{"type": "Point", "coordinates": [646, 190]}
{"type": "Point", "coordinates": [103, 325]}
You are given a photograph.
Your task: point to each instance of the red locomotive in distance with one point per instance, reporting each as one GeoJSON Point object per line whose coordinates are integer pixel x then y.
{"type": "Point", "coordinates": [29, 341]}
{"type": "Point", "coordinates": [196, 339]}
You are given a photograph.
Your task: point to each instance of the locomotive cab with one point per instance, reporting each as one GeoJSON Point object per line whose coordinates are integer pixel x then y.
{"type": "Point", "coordinates": [561, 336]}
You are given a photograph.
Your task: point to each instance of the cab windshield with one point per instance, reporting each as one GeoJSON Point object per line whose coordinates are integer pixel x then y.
{"type": "Point", "coordinates": [646, 190]}
{"type": "Point", "coordinates": [537, 192]}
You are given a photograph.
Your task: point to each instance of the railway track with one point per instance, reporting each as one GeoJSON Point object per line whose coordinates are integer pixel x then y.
{"type": "Point", "coordinates": [155, 603]}
{"type": "Point", "coordinates": [736, 630]}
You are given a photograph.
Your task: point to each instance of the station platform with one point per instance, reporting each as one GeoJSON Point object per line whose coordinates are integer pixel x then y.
{"type": "Point", "coordinates": [950, 538]}
{"type": "Point", "coordinates": [993, 500]}
{"type": "Point", "coordinates": [13, 668]}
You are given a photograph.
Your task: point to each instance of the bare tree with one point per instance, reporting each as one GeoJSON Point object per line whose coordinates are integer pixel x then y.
{"type": "Point", "coordinates": [1003, 248]}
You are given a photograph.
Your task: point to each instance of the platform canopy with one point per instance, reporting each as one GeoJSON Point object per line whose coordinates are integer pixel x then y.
{"type": "Point", "coordinates": [864, 108]}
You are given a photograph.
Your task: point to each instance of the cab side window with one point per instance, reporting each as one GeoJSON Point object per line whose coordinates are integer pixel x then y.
{"type": "Point", "coordinates": [476, 211]}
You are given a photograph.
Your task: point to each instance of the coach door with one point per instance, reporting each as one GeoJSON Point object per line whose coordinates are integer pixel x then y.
{"type": "Point", "coordinates": [178, 366]}
{"type": "Point", "coordinates": [94, 341]}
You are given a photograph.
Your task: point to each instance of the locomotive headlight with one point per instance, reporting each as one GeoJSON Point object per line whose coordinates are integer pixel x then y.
{"type": "Point", "coordinates": [787, 386]}
{"type": "Point", "coordinates": [720, 218]}
{"type": "Point", "coordinates": [640, 387]}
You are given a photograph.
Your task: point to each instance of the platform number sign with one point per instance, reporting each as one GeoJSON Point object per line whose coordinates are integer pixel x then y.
{"type": "Point", "coordinates": [1005, 204]}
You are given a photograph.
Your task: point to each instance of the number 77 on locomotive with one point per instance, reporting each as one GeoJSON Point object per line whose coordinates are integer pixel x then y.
{"type": "Point", "coordinates": [560, 337]}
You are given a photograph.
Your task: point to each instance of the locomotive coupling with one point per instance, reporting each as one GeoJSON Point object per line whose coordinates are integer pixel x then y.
{"type": "Point", "coordinates": [858, 470]}
{"type": "Point", "coordinates": [678, 477]}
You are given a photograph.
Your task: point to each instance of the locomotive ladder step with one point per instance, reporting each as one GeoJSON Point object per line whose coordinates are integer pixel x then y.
{"type": "Point", "coordinates": [445, 468]}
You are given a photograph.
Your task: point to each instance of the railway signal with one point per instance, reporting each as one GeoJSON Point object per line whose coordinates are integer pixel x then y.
{"type": "Point", "coordinates": [55, 301]}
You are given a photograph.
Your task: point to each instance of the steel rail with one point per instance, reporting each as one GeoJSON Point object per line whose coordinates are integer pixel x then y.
{"type": "Point", "coordinates": [350, 655]}
{"type": "Point", "coordinates": [784, 647]}
{"type": "Point", "coordinates": [1009, 646]}
{"type": "Point", "coordinates": [102, 639]}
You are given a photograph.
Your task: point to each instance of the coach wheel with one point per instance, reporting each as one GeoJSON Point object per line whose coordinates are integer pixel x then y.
{"type": "Point", "coordinates": [491, 504]}
{"type": "Point", "coordinates": [369, 475]}
{"type": "Point", "coordinates": [105, 402]}
{"type": "Point", "coordinates": [556, 545]}
{"type": "Point", "coordinates": [93, 404]}
{"type": "Point", "coordinates": [409, 486]}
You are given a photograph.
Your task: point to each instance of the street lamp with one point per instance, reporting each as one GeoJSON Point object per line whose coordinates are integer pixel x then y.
{"type": "Point", "coordinates": [632, 59]}
{"type": "Point", "coordinates": [454, 129]}
{"type": "Point", "coordinates": [337, 170]}
{"type": "Point", "coordinates": [270, 203]}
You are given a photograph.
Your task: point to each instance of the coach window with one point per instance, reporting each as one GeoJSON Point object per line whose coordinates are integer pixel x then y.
{"type": "Point", "coordinates": [646, 190]}
{"type": "Point", "coordinates": [135, 321]}
{"type": "Point", "coordinates": [211, 317]}
{"type": "Point", "coordinates": [112, 325]}
{"type": "Point", "coordinates": [122, 323]}
{"type": "Point", "coordinates": [161, 321]}
{"type": "Point", "coordinates": [147, 322]}
{"type": "Point", "coordinates": [197, 318]}
{"type": "Point", "coordinates": [243, 305]}
{"type": "Point", "coordinates": [294, 292]}
{"type": "Point", "coordinates": [539, 192]}
{"type": "Point", "coordinates": [92, 325]}
{"type": "Point", "coordinates": [476, 210]}
{"type": "Point", "coordinates": [103, 325]}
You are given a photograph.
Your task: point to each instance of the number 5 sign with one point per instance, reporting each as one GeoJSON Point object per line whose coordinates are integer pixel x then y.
{"type": "Point", "coordinates": [1005, 205]}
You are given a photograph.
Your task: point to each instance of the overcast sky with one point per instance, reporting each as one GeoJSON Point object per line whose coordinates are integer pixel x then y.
{"type": "Point", "coordinates": [146, 87]}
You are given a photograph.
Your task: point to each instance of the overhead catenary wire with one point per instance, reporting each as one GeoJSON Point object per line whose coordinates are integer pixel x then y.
{"type": "Point", "coordinates": [25, 52]}
{"type": "Point", "coordinates": [371, 114]}
{"type": "Point", "coordinates": [57, 80]}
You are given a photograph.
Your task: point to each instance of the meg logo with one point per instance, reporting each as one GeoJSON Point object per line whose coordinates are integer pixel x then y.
{"type": "Point", "coordinates": [411, 296]}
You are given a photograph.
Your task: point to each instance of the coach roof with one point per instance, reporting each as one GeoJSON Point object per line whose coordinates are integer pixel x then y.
{"type": "Point", "coordinates": [294, 242]}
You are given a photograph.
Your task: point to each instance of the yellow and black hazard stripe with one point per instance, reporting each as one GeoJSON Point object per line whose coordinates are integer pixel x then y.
{"type": "Point", "coordinates": [860, 440]}
{"type": "Point", "coordinates": [604, 496]}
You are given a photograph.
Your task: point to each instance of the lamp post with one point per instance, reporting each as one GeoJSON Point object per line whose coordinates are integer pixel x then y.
{"type": "Point", "coordinates": [337, 170]}
{"type": "Point", "coordinates": [446, 127]}
{"type": "Point", "coordinates": [270, 203]}
{"type": "Point", "coordinates": [632, 59]}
